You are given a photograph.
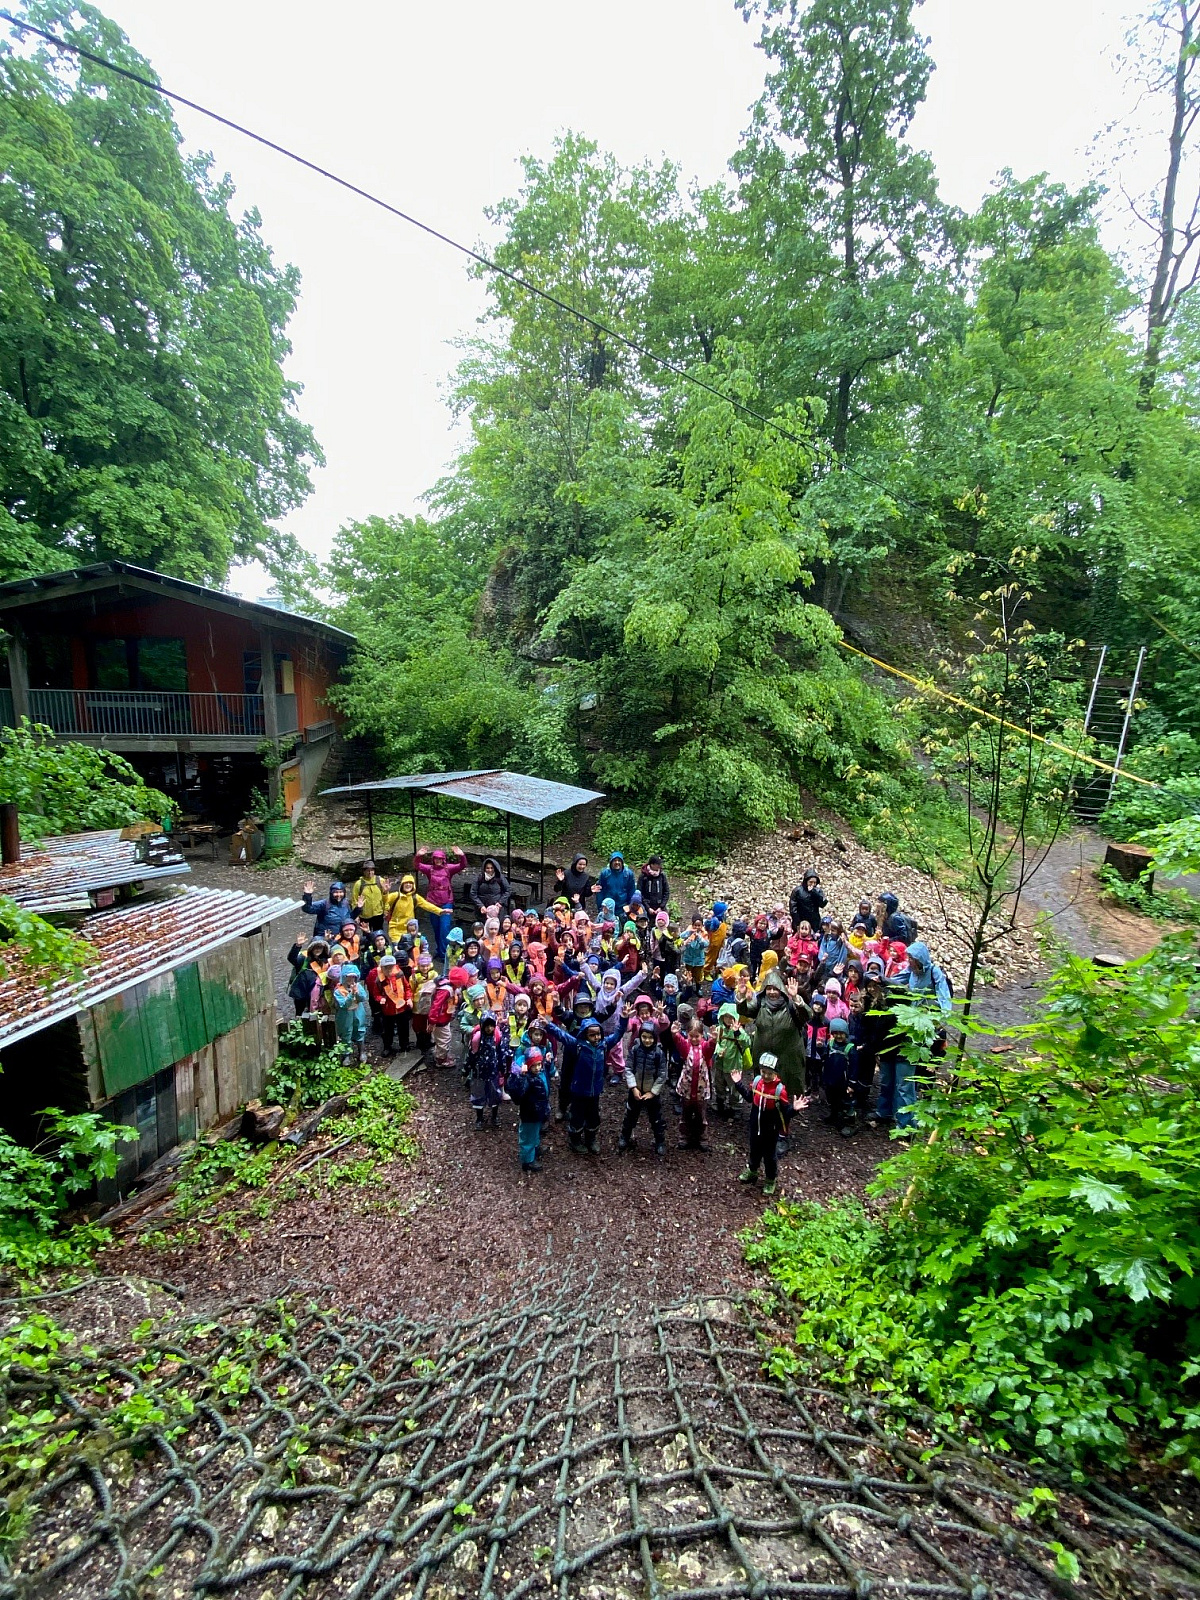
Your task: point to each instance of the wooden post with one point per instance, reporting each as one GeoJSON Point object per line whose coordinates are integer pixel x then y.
{"type": "Point", "coordinates": [266, 651]}
{"type": "Point", "coordinates": [370, 827]}
{"type": "Point", "coordinates": [18, 676]}
{"type": "Point", "coordinates": [10, 834]}
{"type": "Point", "coordinates": [508, 842]}
{"type": "Point", "coordinates": [412, 814]}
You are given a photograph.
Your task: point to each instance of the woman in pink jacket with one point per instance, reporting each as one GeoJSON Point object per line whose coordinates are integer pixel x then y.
{"type": "Point", "coordinates": [440, 871]}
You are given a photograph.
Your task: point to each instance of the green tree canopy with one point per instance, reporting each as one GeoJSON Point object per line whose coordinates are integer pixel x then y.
{"type": "Point", "coordinates": [144, 414]}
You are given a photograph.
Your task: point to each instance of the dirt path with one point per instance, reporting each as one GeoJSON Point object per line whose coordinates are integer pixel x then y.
{"type": "Point", "coordinates": [462, 1220]}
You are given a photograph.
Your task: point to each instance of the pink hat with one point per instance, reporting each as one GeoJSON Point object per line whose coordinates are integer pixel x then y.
{"type": "Point", "coordinates": [661, 919]}
{"type": "Point", "coordinates": [833, 985]}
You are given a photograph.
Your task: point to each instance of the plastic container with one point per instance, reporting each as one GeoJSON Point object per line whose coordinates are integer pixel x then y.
{"type": "Point", "coordinates": [277, 837]}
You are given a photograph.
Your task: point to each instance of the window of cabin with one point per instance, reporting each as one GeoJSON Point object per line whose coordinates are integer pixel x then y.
{"type": "Point", "coordinates": [162, 664]}
{"type": "Point", "coordinates": [49, 661]}
{"type": "Point", "coordinates": [252, 672]}
{"type": "Point", "coordinates": [138, 664]}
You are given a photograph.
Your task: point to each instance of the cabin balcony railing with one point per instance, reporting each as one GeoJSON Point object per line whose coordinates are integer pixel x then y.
{"type": "Point", "coordinates": [156, 713]}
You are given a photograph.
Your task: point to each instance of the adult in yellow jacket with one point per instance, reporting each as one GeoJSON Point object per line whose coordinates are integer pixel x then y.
{"type": "Point", "coordinates": [402, 904]}
{"type": "Point", "coordinates": [367, 897]}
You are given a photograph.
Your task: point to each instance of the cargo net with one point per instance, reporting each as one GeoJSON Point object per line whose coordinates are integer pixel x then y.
{"type": "Point", "coordinates": [549, 1446]}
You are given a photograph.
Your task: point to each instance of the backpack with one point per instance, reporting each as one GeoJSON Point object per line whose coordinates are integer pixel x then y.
{"type": "Point", "coordinates": [441, 1008]}
{"type": "Point", "coordinates": [903, 927]}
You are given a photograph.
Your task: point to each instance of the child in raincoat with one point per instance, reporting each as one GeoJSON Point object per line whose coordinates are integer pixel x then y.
{"type": "Point", "coordinates": [731, 1054]}
{"type": "Point", "coordinates": [367, 897]}
{"type": "Point", "coordinates": [352, 1016]}
{"type": "Point", "coordinates": [489, 1057]}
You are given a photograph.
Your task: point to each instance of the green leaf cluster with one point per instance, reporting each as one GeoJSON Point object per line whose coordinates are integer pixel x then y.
{"type": "Point", "coordinates": [1030, 1273]}
{"type": "Point", "coordinates": [71, 788]}
{"type": "Point", "coordinates": [144, 413]}
{"type": "Point", "coordinates": [38, 1185]}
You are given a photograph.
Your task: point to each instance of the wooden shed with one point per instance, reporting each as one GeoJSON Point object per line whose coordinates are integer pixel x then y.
{"type": "Point", "coordinates": [169, 1029]}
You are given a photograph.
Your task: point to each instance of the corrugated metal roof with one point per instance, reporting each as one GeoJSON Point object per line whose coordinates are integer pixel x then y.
{"type": "Point", "coordinates": [132, 944]}
{"type": "Point", "coordinates": [418, 780]}
{"type": "Point", "coordinates": [61, 873]}
{"type": "Point", "coordinates": [535, 799]}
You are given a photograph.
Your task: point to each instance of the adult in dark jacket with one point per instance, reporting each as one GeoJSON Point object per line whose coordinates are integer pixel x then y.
{"type": "Point", "coordinates": [892, 922]}
{"type": "Point", "coordinates": [491, 887]}
{"type": "Point", "coordinates": [329, 914]}
{"type": "Point", "coordinates": [578, 882]}
{"type": "Point", "coordinates": [806, 901]}
{"type": "Point", "coordinates": [653, 886]}
{"type": "Point", "coordinates": [646, 1073]}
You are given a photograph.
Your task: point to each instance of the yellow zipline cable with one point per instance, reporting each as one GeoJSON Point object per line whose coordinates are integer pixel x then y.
{"type": "Point", "coordinates": [928, 686]}
{"type": "Point", "coordinates": [1159, 623]}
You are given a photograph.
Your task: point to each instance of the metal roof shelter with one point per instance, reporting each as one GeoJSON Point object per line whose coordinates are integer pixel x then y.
{"type": "Point", "coordinates": [513, 794]}
{"type": "Point", "coordinates": [133, 944]}
{"type": "Point", "coordinates": [66, 871]}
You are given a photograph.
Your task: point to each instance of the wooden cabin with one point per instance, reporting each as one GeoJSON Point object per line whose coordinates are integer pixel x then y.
{"type": "Point", "coordinates": [171, 675]}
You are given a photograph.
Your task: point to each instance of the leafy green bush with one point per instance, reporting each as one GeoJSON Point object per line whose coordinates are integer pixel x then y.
{"type": "Point", "coordinates": [69, 788]}
{"type": "Point", "coordinates": [1162, 905]}
{"type": "Point", "coordinates": [38, 1185]}
{"type": "Point", "coordinates": [52, 952]}
{"type": "Point", "coordinates": [1135, 808]}
{"type": "Point", "coordinates": [1031, 1274]}
{"type": "Point", "coordinates": [305, 1073]}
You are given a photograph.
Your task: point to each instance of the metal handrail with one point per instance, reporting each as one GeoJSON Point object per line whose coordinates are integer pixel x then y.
{"type": "Point", "coordinates": [153, 712]}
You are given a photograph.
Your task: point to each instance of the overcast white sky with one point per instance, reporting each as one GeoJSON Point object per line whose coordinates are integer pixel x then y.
{"type": "Point", "coordinates": [430, 106]}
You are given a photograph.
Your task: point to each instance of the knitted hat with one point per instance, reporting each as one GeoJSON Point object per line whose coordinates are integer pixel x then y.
{"type": "Point", "coordinates": [839, 1025]}
{"type": "Point", "coordinates": [533, 1057]}
{"type": "Point", "coordinates": [661, 919]}
{"type": "Point", "coordinates": [767, 1062]}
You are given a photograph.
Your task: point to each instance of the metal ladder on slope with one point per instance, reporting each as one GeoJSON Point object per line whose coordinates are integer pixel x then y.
{"type": "Point", "coordinates": [1109, 715]}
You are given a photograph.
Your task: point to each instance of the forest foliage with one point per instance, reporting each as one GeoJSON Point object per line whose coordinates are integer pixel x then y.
{"type": "Point", "coordinates": [809, 396]}
{"type": "Point", "coordinates": [1028, 1269]}
{"type": "Point", "coordinates": [627, 580]}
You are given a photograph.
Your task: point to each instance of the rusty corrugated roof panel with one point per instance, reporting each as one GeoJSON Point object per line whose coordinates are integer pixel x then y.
{"type": "Point", "coordinates": [535, 799]}
{"type": "Point", "coordinates": [61, 873]}
{"type": "Point", "coordinates": [132, 944]}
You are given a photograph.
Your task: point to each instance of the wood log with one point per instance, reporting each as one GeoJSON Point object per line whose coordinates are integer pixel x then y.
{"type": "Point", "coordinates": [1129, 861]}
{"type": "Point", "coordinates": [303, 1130]}
{"type": "Point", "coordinates": [261, 1124]}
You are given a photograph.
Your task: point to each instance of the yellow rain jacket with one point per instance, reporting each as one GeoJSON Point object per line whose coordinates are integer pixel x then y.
{"type": "Point", "coordinates": [402, 904]}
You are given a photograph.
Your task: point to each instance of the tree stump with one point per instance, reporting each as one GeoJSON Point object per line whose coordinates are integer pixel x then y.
{"type": "Point", "coordinates": [1129, 861]}
{"type": "Point", "coordinates": [261, 1124]}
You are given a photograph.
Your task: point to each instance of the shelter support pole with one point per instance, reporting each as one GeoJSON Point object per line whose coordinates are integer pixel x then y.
{"type": "Point", "coordinates": [370, 828]}
{"type": "Point", "coordinates": [412, 813]}
{"type": "Point", "coordinates": [508, 842]}
{"type": "Point", "coordinates": [542, 867]}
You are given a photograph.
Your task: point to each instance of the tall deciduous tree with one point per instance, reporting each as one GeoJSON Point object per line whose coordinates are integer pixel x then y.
{"type": "Point", "coordinates": [144, 413]}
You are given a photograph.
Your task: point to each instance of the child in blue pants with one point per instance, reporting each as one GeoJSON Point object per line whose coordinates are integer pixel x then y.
{"type": "Point", "coordinates": [351, 1014]}
{"type": "Point", "coordinates": [529, 1086]}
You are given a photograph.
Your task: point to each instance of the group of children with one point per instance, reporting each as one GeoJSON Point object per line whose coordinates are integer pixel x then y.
{"type": "Point", "coordinates": [545, 1009]}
